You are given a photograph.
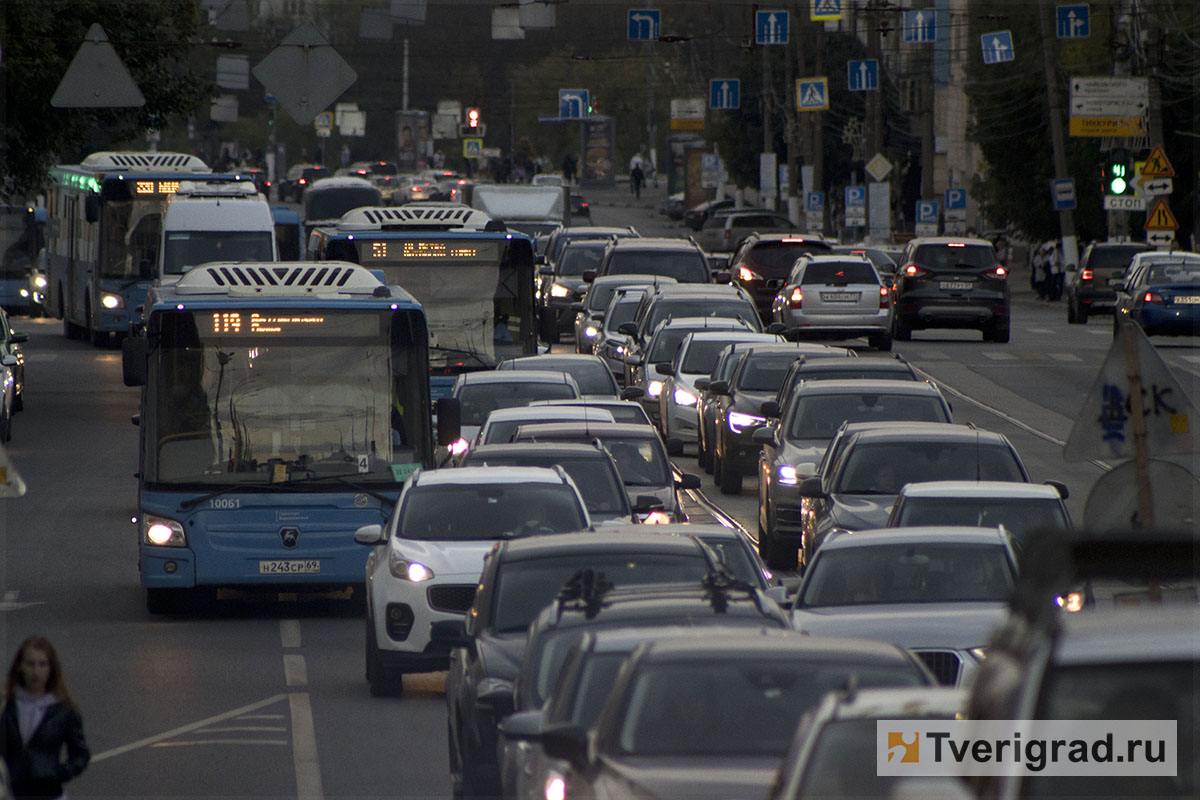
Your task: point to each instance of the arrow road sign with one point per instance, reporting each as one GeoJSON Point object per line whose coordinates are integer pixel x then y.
{"type": "Point", "coordinates": [770, 27]}
{"type": "Point", "coordinates": [920, 26]}
{"type": "Point", "coordinates": [1160, 238]}
{"type": "Point", "coordinates": [572, 103]}
{"type": "Point", "coordinates": [1137, 88]}
{"type": "Point", "coordinates": [997, 47]}
{"type": "Point", "coordinates": [1071, 22]}
{"type": "Point", "coordinates": [1157, 186]}
{"type": "Point", "coordinates": [723, 93]}
{"type": "Point", "coordinates": [644, 24]}
{"type": "Point", "coordinates": [862, 76]}
{"type": "Point", "coordinates": [812, 94]}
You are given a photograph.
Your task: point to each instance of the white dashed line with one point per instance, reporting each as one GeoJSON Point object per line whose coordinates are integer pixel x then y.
{"type": "Point", "coordinates": [1064, 357]}
{"type": "Point", "coordinates": [295, 672]}
{"type": "Point", "coordinates": [289, 632]}
{"type": "Point", "coordinates": [1000, 356]}
{"type": "Point", "coordinates": [304, 749]}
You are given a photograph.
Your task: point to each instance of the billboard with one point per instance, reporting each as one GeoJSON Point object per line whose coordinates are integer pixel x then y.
{"type": "Point", "coordinates": [412, 140]}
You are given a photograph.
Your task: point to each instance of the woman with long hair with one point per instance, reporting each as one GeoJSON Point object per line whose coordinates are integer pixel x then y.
{"type": "Point", "coordinates": [39, 722]}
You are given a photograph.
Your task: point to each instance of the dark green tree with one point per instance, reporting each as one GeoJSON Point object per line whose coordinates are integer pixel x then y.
{"type": "Point", "coordinates": [39, 39]}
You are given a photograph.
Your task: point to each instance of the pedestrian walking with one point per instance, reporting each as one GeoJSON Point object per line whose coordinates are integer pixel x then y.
{"type": "Point", "coordinates": [39, 722]}
{"type": "Point", "coordinates": [636, 177]}
{"type": "Point", "coordinates": [568, 168]}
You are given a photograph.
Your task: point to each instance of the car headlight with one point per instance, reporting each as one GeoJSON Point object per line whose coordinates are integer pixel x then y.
{"type": "Point", "coordinates": [458, 447]}
{"type": "Point", "coordinates": [558, 290]}
{"type": "Point", "coordinates": [555, 787]}
{"type": "Point", "coordinates": [162, 532]}
{"type": "Point", "coordinates": [654, 388]}
{"type": "Point", "coordinates": [591, 331]}
{"type": "Point", "coordinates": [684, 398]}
{"type": "Point", "coordinates": [40, 282]}
{"type": "Point", "coordinates": [787, 475]}
{"type": "Point", "coordinates": [620, 351]}
{"type": "Point", "coordinates": [980, 653]}
{"type": "Point", "coordinates": [110, 301]}
{"type": "Point", "coordinates": [738, 421]}
{"type": "Point", "coordinates": [407, 570]}
{"type": "Point", "coordinates": [24, 293]}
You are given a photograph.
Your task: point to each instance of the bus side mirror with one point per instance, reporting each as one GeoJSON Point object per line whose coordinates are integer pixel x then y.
{"type": "Point", "coordinates": [91, 207]}
{"type": "Point", "coordinates": [134, 354]}
{"type": "Point", "coordinates": [449, 415]}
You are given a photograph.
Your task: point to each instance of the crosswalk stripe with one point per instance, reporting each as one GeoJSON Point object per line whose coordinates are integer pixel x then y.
{"type": "Point", "coordinates": [1000, 356]}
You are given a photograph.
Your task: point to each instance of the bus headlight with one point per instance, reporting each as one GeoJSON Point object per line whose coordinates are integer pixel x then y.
{"type": "Point", "coordinates": [162, 532]}
{"type": "Point", "coordinates": [558, 290]}
{"type": "Point", "coordinates": [24, 293]}
{"type": "Point", "coordinates": [110, 301]}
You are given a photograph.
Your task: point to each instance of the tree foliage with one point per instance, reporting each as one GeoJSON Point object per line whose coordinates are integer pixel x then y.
{"type": "Point", "coordinates": [41, 37]}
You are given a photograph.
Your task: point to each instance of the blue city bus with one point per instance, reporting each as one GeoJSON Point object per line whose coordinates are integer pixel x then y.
{"type": "Point", "coordinates": [283, 405]}
{"type": "Point", "coordinates": [473, 276]}
{"type": "Point", "coordinates": [103, 236]}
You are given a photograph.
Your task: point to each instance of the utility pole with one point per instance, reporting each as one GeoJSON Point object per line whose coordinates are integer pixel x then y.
{"type": "Point", "coordinates": [768, 133]}
{"type": "Point", "coordinates": [1066, 217]}
{"type": "Point", "coordinates": [818, 126]}
{"type": "Point", "coordinates": [792, 54]}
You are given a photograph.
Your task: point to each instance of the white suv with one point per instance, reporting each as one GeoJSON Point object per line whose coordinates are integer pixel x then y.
{"type": "Point", "coordinates": [425, 564]}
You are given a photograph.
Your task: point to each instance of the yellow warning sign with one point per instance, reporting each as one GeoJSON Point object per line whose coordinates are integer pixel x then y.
{"type": "Point", "coordinates": [1160, 217]}
{"type": "Point", "coordinates": [1157, 165]}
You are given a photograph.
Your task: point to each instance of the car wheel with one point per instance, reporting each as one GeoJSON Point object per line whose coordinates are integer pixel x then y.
{"type": "Point", "coordinates": [775, 556]}
{"type": "Point", "coordinates": [901, 332]}
{"type": "Point", "coordinates": [998, 333]}
{"type": "Point", "coordinates": [1072, 319]}
{"type": "Point", "coordinates": [382, 682]}
{"type": "Point", "coordinates": [731, 480]}
{"type": "Point", "coordinates": [1081, 315]}
{"type": "Point", "coordinates": [880, 341]}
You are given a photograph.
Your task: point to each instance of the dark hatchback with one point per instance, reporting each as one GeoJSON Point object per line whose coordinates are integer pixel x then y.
{"type": "Point", "coordinates": [1088, 289]}
{"type": "Point", "coordinates": [763, 261]}
{"type": "Point", "coordinates": [945, 282]}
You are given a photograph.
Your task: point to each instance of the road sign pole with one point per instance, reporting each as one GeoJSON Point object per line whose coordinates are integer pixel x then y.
{"type": "Point", "coordinates": [1066, 217]}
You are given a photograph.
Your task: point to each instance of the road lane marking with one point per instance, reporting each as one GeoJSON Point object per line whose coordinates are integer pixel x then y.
{"type": "Point", "coordinates": [304, 748]}
{"type": "Point", "coordinates": [289, 632]}
{"type": "Point", "coordinates": [273, 728]}
{"type": "Point", "coordinates": [180, 731]}
{"type": "Point", "coordinates": [208, 742]}
{"type": "Point", "coordinates": [295, 671]}
{"type": "Point", "coordinates": [1000, 356]}
{"type": "Point", "coordinates": [1065, 357]}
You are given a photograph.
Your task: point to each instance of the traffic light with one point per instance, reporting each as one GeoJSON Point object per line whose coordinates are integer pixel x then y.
{"type": "Point", "coordinates": [1116, 172]}
{"type": "Point", "coordinates": [473, 118]}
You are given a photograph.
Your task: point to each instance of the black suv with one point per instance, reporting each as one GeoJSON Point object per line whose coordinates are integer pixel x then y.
{"type": "Point", "coordinates": [945, 282]}
{"type": "Point", "coordinates": [762, 262]}
{"type": "Point", "coordinates": [681, 259]}
{"type": "Point", "coordinates": [1088, 289]}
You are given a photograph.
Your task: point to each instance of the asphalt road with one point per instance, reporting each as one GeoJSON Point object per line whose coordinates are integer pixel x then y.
{"type": "Point", "coordinates": [269, 699]}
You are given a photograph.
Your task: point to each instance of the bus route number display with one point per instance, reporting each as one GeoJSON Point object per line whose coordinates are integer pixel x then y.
{"type": "Point", "coordinates": [147, 186]}
{"type": "Point", "coordinates": [461, 250]}
{"type": "Point", "coordinates": [254, 322]}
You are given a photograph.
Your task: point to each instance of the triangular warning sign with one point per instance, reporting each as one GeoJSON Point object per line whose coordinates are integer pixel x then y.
{"type": "Point", "coordinates": [1103, 429]}
{"type": "Point", "coordinates": [1160, 218]}
{"type": "Point", "coordinates": [96, 77]}
{"type": "Point", "coordinates": [1157, 165]}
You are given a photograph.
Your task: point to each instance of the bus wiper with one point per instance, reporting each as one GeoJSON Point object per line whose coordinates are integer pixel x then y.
{"type": "Point", "coordinates": [383, 498]}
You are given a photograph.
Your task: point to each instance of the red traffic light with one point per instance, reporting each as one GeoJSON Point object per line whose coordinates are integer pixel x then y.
{"type": "Point", "coordinates": [473, 117]}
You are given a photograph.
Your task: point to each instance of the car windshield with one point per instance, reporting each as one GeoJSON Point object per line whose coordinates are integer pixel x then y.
{"type": "Point", "coordinates": [941, 256]}
{"type": "Point", "coordinates": [1021, 516]}
{"type": "Point", "coordinates": [523, 588]}
{"type": "Point", "coordinates": [701, 307]}
{"type": "Point", "coordinates": [666, 344]}
{"type": "Point", "coordinates": [592, 376]}
{"type": "Point", "coordinates": [775, 259]}
{"type": "Point", "coordinates": [915, 572]}
{"type": "Point", "coordinates": [480, 399]}
{"type": "Point", "coordinates": [764, 373]}
{"type": "Point", "coordinates": [452, 512]}
{"type": "Point", "coordinates": [839, 274]}
{"type": "Point", "coordinates": [835, 765]}
{"type": "Point", "coordinates": [819, 416]}
{"type": "Point", "coordinates": [735, 706]}
{"type": "Point", "coordinates": [602, 491]}
{"type": "Point", "coordinates": [332, 203]}
{"type": "Point", "coordinates": [885, 467]}
{"type": "Point", "coordinates": [683, 267]}
{"type": "Point", "coordinates": [577, 258]}
{"type": "Point", "coordinates": [701, 357]}
{"type": "Point", "coordinates": [640, 460]}
{"type": "Point", "coordinates": [1129, 689]}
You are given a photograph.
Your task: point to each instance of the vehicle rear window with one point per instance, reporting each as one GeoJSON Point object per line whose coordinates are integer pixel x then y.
{"type": "Point", "coordinates": [1021, 516]}
{"type": "Point", "coordinates": [701, 357]}
{"type": "Point", "coordinates": [775, 259]}
{"type": "Point", "coordinates": [1175, 273]}
{"type": "Point", "coordinates": [842, 272]}
{"type": "Point", "coordinates": [523, 588]}
{"type": "Point", "coordinates": [479, 400]}
{"type": "Point", "coordinates": [602, 492]}
{"type": "Point", "coordinates": [885, 467]}
{"type": "Point", "coordinates": [941, 256]}
{"type": "Point", "coordinates": [764, 373]}
{"type": "Point", "coordinates": [332, 203]}
{"type": "Point", "coordinates": [488, 511]}
{"type": "Point", "coordinates": [576, 259]}
{"type": "Point", "coordinates": [819, 416]}
{"type": "Point", "coordinates": [700, 307]}
{"type": "Point", "coordinates": [683, 267]}
{"type": "Point", "coordinates": [1112, 257]}
{"type": "Point", "coordinates": [640, 460]}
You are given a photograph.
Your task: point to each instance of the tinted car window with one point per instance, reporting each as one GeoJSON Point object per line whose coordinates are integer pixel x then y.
{"type": "Point", "coordinates": [778, 257]}
{"type": "Point", "coordinates": [948, 257]}
{"type": "Point", "coordinates": [486, 511]}
{"type": "Point", "coordinates": [765, 373]}
{"type": "Point", "coordinates": [576, 259]}
{"type": "Point", "coordinates": [523, 588]}
{"type": "Point", "coordinates": [885, 468]}
{"type": "Point", "coordinates": [819, 416]}
{"type": "Point", "coordinates": [640, 461]}
{"type": "Point", "coordinates": [332, 203]}
{"type": "Point", "coordinates": [1112, 257]}
{"type": "Point", "coordinates": [480, 399]}
{"type": "Point", "coordinates": [700, 307]}
{"type": "Point", "coordinates": [620, 313]}
{"type": "Point", "coordinates": [1020, 516]}
{"type": "Point", "coordinates": [701, 357]}
{"type": "Point", "coordinates": [1174, 273]}
{"type": "Point", "coordinates": [683, 267]}
{"type": "Point", "coordinates": [601, 492]}
{"type": "Point", "coordinates": [844, 272]}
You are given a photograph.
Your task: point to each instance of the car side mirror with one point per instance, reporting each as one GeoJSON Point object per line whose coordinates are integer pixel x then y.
{"type": "Point", "coordinates": [645, 503]}
{"type": "Point", "coordinates": [1061, 488]}
{"type": "Point", "coordinates": [702, 384]}
{"type": "Point", "coordinates": [777, 328]}
{"type": "Point", "coordinates": [524, 725]}
{"type": "Point", "coordinates": [688, 480]}
{"type": "Point", "coordinates": [449, 420]}
{"type": "Point", "coordinates": [780, 595]}
{"type": "Point", "coordinates": [495, 695]}
{"type": "Point", "coordinates": [577, 307]}
{"type": "Point", "coordinates": [18, 337]}
{"type": "Point", "coordinates": [9, 360]}
{"type": "Point", "coordinates": [811, 487]}
{"type": "Point", "coordinates": [633, 360]}
{"type": "Point", "coordinates": [665, 368]}
{"type": "Point", "coordinates": [546, 271]}
{"type": "Point", "coordinates": [627, 328]}
{"type": "Point", "coordinates": [566, 741]}
{"type": "Point", "coordinates": [589, 275]}
{"type": "Point", "coordinates": [633, 393]}
{"type": "Point", "coordinates": [769, 408]}
{"type": "Point", "coordinates": [674, 447]}
{"type": "Point", "coordinates": [722, 276]}
{"type": "Point", "coordinates": [370, 535]}
{"type": "Point", "coordinates": [764, 435]}
{"type": "Point", "coordinates": [719, 387]}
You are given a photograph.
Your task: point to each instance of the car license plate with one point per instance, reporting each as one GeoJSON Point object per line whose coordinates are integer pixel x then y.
{"type": "Point", "coordinates": [307, 566]}
{"type": "Point", "coordinates": [1187, 298]}
{"type": "Point", "coordinates": [840, 297]}
{"type": "Point", "coordinates": [955, 285]}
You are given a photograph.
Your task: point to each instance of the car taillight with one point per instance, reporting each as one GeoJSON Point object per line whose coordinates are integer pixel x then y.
{"type": "Point", "coordinates": [1000, 273]}
{"type": "Point", "coordinates": [1085, 275]}
{"type": "Point", "coordinates": [797, 298]}
{"type": "Point", "coordinates": [746, 274]}
{"type": "Point", "coordinates": [884, 297]}
{"type": "Point", "coordinates": [913, 271]}
{"type": "Point", "coordinates": [302, 181]}
{"type": "Point", "coordinates": [1154, 298]}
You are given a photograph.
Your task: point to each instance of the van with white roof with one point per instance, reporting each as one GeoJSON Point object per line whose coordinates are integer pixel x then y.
{"type": "Point", "coordinates": [215, 221]}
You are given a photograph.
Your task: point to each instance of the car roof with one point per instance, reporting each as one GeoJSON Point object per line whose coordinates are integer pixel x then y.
{"type": "Point", "coordinates": [1131, 635]}
{"type": "Point", "coordinates": [341, 182]}
{"type": "Point", "coordinates": [672, 603]}
{"type": "Point", "coordinates": [998, 490]}
{"type": "Point", "coordinates": [634, 279]}
{"type": "Point", "coordinates": [867, 386]}
{"type": "Point", "coordinates": [737, 644]}
{"type": "Point", "coordinates": [569, 412]}
{"type": "Point", "coordinates": [629, 430]}
{"type": "Point", "coordinates": [791, 236]}
{"type": "Point", "coordinates": [925, 431]}
{"type": "Point", "coordinates": [689, 289]}
{"type": "Point", "coordinates": [967, 240]}
{"type": "Point", "coordinates": [662, 243]}
{"type": "Point", "coordinates": [700, 323]}
{"type": "Point", "coordinates": [542, 450]}
{"type": "Point", "coordinates": [833, 258]}
{"type": "Point", "coordinates": [796, 348]}
{"type": "Point", "coordinates": [475, 475]}
{"type": "Point", "coordinates": [865, 361]}
{"type": "Point", "coordinates": [515, 376]}
{"type": "Point", "coordinates": [576, 231]}
{"type": "Point", "coordinates": [609, 539]}
{"type": "Point", "coordinates": [735, 336]}
{"type": "Point", "coordinates": [521, 362]}
{"type": "Point", "coordinates": [918, 534]}
{"type": "Point", "coordinates": [624, 640]}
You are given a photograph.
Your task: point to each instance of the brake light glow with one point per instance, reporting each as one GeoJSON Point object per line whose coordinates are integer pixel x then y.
{"type": "Point", "coordinates": [999, 272]}
{"type": "Point", "coordinates": [302, 181]}
{"type": "Point", "coordinates": [884, 297]}
{"type": "Point", "coordinates": [1153, 297]}
{"type": "Point", "coordinates": [746, 274]}
{"type": "Point", "coordinates": [797, 298]}
{"type": "Point", "coordinates": [913, 271]}
{"type": "Point", "coordinates": [794, 240]}
{"type": "Point", "coordinates": [957, 244]}
{"type": "Point", "coordinates": [1086, 275]}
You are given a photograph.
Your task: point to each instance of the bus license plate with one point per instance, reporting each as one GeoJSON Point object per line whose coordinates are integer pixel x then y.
{"type": "Point", "coordinates": [955, 285]}
{"type": "Point", "coordinates": [308, 566]}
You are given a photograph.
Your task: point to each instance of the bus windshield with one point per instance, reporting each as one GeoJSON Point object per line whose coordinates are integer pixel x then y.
{"type": "Point", "coordinates": [20, 241]}
{"type": "Point", "coordinates": [268, 396]}
{"type": "Point", "coordinates": [129, 238]}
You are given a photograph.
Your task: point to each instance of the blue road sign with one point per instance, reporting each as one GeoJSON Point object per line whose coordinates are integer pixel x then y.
{"type": "Point", "coordinates": [920, 25]}
{"type": "Point", "coordinates": [997, 47]}
{"type": "Point", "coordinates": [1063, 192]}
{"type": "Point", "coordinates": [644, 24]}
{"type": "Point", "coordinates": [812, 94]}
{"type": "Point", "coordinates": [956, 199]}
{"type": "Point", "coordinates": [856, 196]}
{"type": "Point", "coordinates": [572, 103]}
{"type": "Point", "coordinates": [814, 201]}
{"type": "Point", "coordinates": [1072, 22]}
{"type": "Point", "coordinates": [826, 9]}
{"type": "Point", "coordinates": [862, 76]}
{"type": "Point", "coordinates": [770, 27]}
{"type": "Point", "coordinates": [549, 119]}
{"type": "Point", "coordinates": [723, 93]}
{"type": "Point", "coordinates": [927, 211]}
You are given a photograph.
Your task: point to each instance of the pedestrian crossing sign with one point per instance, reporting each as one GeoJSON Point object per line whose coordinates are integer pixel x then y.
{"type": "Point", "coordinates": [812, 94]}
{"type": "Point", "coordinates": [472, 148]}
{"type": "Point", "coordinates": [826, 10]}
